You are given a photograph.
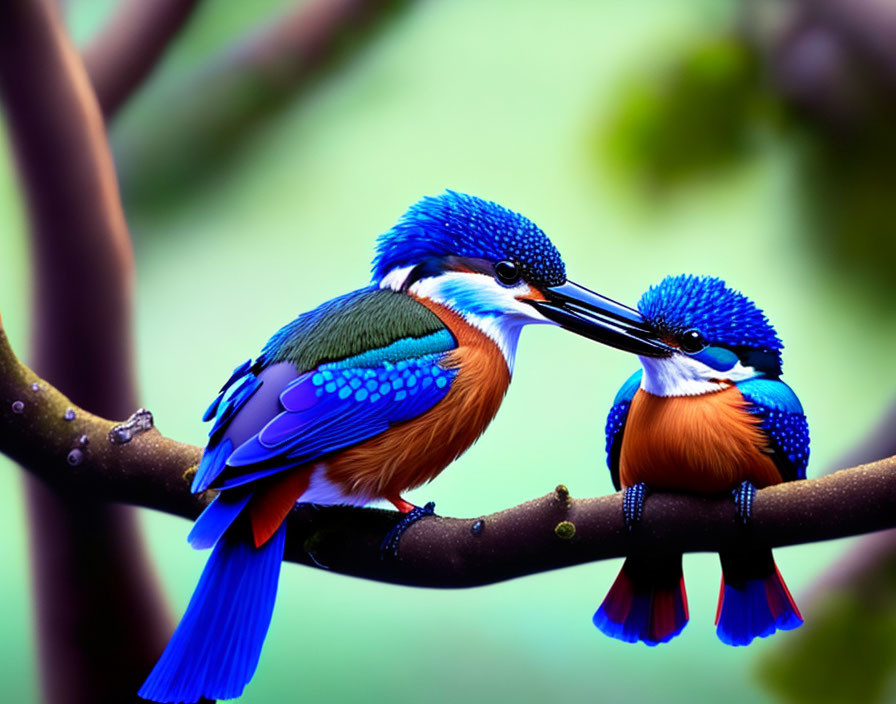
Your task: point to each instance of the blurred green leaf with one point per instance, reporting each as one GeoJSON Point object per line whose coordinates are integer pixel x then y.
{"type": "Point", "coordinates": [697, 117]}
{"type": "Point", "coordinates": [846, 650]}
{"type": "Point", "coordinates": [846, 184]}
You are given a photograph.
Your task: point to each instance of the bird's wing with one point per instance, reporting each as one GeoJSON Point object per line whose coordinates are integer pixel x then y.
{"type": "Point", "coordinates": [616, 423]}
{"type": "Point", "coordinates": [783, 423]}
{"type": "Point", "coordinates": [334, 407]}
{"type": "Point", "coordinates": [376, 360]}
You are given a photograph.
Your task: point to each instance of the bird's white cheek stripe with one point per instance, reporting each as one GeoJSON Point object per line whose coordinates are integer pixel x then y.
{"type": "Point", "coordinates": [485, 304]}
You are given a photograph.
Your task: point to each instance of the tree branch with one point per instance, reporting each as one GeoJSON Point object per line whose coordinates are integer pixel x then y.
{"type": "Point", "coordinates": [204, 123]}
{"type": "Point", "coordinates": [120, 58]}
{"type": "Point", "coordinates": [101, 618]}
{"type": "Point", "coordinates": [154, 471]}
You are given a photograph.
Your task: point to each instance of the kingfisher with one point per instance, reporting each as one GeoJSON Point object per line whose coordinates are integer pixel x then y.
{"type": "Point", "coordinates": [367, 396]}
{"type": "Point", "coordinates": [710, 416]}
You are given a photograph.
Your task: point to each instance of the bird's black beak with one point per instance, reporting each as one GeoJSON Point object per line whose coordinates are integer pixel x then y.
{"type": "Point", "coordinates": [602, 319]}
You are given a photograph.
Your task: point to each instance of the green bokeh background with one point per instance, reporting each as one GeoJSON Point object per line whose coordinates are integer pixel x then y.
{"type": "Point", "coordinates": [499, 99]}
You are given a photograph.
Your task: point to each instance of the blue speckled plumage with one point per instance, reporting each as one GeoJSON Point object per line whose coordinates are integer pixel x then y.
{"type": "Point", "coordinates": [456, 224]}
{"type": "Point", "coordinates": [616, 423]}
{"type": "Point", "coordinates": [721, 314]}
{"type": "Point", "coordinates": [782, 421]}
{"type": "Point", "coordinates": [334, 408]}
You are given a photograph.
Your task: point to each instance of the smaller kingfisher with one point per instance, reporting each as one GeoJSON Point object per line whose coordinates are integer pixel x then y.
{"type": "Point", "coordinates": [367, 396]}
{"type": "Point", "coordinates": [710, 416]}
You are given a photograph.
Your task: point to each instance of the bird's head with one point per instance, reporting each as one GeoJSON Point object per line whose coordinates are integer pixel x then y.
{"type": "Point", "coordinates": [716, 335]}
{"type": "Point", "coordinates": [499, 271]}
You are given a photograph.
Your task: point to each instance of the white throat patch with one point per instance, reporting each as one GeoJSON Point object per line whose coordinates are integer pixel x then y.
{"type": "Point", "coordinates": [680, 375]}
{"type": "Point", "coordinates": [480, 300]}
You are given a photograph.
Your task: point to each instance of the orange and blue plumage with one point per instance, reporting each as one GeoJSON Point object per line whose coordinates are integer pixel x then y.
{"type": "Point", "coordinates": [707, 417]}
{"type": "Point", "coordinates": [369, 395]}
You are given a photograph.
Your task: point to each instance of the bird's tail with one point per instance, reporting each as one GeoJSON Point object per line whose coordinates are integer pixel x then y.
{"type": "Point", "coordinates": [647, 602]}
{"type": "Point", "coordinates": [215, 649]}
{"type": "Point", "coordinates": [754, 602]}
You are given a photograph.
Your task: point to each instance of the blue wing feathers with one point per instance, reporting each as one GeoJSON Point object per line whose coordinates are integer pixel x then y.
{"type": "Point", "coordinates": [616, 423]}
{"type": "Point", "coordinates": [240, 371]}
{"type": "Point", "coordinates": [783, 422]}
{"type": "Point", "coordinates": [216, 519]}
{"type": "Point", "coordinates": [329, 419]}
{"type": "Point", "coordinates": [772, 394]}
{"type": "Point", "coordinates": [232, 400]}
{"type": "Point", "coordinates": [213, 461]}
{"type": "Point", "coordinates": [619, 412]}
{"type": "Point", "coordinates": [240, 387]}
{"type": "Point", "coordinates": [627, 390]}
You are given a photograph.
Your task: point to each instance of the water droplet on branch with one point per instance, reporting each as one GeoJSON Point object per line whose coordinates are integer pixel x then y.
{"type": "Point", "coordinates": [69, 414]}
{"type": "Point", "coordinates": [139, 422]}
{"type": "Point", "coordinates": [75, 457]}
{"type": "Point", "coordinates": [18, 407]}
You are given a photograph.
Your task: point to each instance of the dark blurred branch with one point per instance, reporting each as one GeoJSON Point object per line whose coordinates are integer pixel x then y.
{"type": "Point", "coordinates": [153, 471]}
{"type": "Point", "coordinates": [867, 25]}
{"type": "Point", "coordinates": [203, 123]}
{"type": "Point", "coordinates": [120, 58]}
{"type": "Point", "coordinates": [832, 57]}
{"type": "Point", "coordinates": [101, 621]}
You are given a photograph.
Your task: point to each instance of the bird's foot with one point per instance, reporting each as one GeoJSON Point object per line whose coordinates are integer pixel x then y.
{"type": "Point", "coordinates": [743, 501]}
{"type": "Point", "coordinates": [633, 503]}
{"type": "Point", "coordinates": [389, 546]}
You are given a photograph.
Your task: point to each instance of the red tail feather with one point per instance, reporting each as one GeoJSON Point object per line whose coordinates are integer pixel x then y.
{"type": "Point", "coordinates": [647, 602]}
{"type": "Point", "coordinates": [271, 504]}
{"type": "Point", "coordinates": [752, 604]}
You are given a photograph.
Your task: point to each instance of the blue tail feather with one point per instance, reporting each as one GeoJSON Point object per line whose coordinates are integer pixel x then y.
{"type": "Point", "coordinates": [755, 608]}
{"type": "Point", "coordinates": [215, 649]}
{"type": "Point", "coordinates": [646, 603]}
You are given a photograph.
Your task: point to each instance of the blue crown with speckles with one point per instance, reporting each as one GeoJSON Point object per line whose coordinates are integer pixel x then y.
{"type": "Point", "coordinates": [704, 303]}
{"type": "Point", "coordinates": [456, 224]}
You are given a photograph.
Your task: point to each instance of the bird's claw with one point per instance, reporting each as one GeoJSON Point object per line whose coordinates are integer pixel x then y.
{"type": "Point", "coordinates": [633, 503]}
{"type": "Point", "coordinates": [743, 501]}
{"type": "Point", "coordinates": [389, 546]}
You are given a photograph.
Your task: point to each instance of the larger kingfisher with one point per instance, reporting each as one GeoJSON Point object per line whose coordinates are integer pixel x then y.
{"type": "Point", "coordinates": [710, 416]}
{"type": "Point", "coordinates": [367, 396]}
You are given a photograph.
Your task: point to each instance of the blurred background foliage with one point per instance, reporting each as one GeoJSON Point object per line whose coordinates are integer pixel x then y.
{"type": "Point", "coordinates": [708, 136]}
{"type": "Point", "coordinates": [781, 77]}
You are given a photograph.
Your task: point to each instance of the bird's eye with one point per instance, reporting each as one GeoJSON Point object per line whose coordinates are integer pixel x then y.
{"type": "Point", "coordinates": [691, 342]}
{"type": "Point", "coordinates": [507, 272]}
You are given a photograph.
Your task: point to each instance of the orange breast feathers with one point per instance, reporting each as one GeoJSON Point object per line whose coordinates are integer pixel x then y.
{"type": "Point", "coordinates": [708, 443]}
{"type": "Point", "coordinates": [411, 454]}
